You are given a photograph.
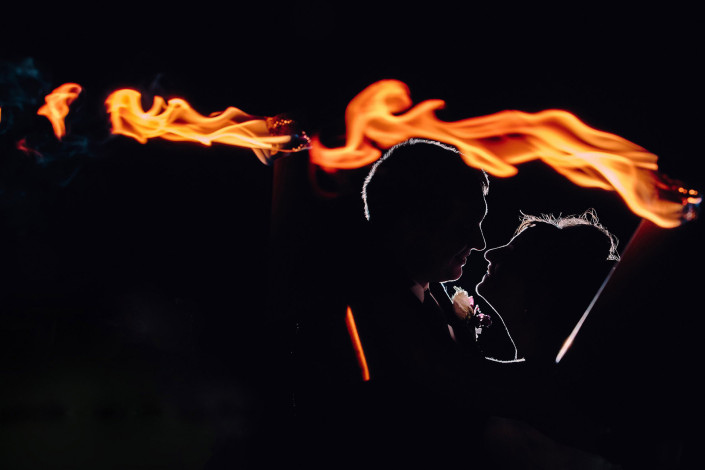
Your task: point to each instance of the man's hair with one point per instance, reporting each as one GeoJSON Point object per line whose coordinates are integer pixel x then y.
{"type": "Point", "coordinates": [413, 177]}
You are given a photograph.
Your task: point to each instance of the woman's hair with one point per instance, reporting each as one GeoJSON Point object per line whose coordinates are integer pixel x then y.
{"type": "Point", "coordinates": [587, 218]}
{"type": "Point", "coordinates": [572, 260]}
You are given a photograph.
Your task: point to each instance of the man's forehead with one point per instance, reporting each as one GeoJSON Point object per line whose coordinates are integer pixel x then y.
{"type": "Point", "coordinates": [466, 209]}
{"type": "Point", "coordinates": [471, 197]}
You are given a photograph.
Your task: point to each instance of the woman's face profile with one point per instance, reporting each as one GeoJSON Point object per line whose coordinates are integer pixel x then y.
{"type": "Point", "coordinates": [542, 280]}
{"type": "Point", "coordinates": [513, 268]}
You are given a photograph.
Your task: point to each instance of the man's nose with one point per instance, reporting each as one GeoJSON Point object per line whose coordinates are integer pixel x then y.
{"type": "Point", "coordinates": [475, 238]}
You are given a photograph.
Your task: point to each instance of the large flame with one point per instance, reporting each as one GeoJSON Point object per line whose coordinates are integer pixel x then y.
{"type": "Point", "coordinates": [382, 116]}
{"type": "Point", "coordinates": [57, 106]}
{"type": "Point", "coordinates": [176, 120]}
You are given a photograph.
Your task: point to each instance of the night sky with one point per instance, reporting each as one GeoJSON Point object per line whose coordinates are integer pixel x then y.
{"type": "Point", "coordinates": [136, 302]}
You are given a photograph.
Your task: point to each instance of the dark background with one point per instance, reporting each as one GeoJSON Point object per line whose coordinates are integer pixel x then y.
{"type": "Point", "coordinates": [137, 280]}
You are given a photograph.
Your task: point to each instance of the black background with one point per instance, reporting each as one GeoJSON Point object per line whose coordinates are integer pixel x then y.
{"type": "Point", "coordinates": [136, 278]}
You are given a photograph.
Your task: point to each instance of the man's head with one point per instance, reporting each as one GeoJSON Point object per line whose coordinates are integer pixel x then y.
{"type": "Point", "coordinates": [428, 204]}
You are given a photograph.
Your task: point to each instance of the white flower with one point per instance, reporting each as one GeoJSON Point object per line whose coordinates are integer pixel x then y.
{"type": "Point", "coordinates": [465, 309]}
{"type": "Point", "coordinates": [463, 304]}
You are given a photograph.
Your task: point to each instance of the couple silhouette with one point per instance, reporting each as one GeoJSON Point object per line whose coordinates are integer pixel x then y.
{"type": "Point", "coordinates": [439, 394]}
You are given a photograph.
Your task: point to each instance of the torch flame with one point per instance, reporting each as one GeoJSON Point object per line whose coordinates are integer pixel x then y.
{"type": "Point", "coordinates": [176, 120]}
{"type": "Point", "coordinates": [381, 116]}
{"type": "Point", "coordinates": [57, 106]}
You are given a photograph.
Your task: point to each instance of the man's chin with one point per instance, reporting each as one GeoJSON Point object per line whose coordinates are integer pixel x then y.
{"type": "Point", "coordinates": [454, 274]}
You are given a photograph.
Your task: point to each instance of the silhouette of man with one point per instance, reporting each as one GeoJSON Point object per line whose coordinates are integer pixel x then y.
{"type": "Point", "coordinates": [427, 403]}
{"type": "Point", "coordinates": [424, 207]}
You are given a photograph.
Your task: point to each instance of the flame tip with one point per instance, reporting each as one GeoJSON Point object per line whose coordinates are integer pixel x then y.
{"type": "Point", "coordinates": [56, 106]}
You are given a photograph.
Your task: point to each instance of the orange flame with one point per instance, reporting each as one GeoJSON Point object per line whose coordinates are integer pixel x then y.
{"type": "Point", "coordinates": [57, 106]}
{"type": "Point", "coordinates": [381, 116]}
{"type": "Point", "coordinates": [176, 120]}
{"type": "Point", "coordinates": [357, 345]}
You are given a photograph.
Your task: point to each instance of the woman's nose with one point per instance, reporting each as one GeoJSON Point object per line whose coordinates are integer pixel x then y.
{"type": "Point", "coordinates": [495, 254]}
{"type": "Point", "coordinates": [489, 254]}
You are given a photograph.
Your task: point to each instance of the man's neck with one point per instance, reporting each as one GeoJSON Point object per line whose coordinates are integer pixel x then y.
{"type": "Point", "coordinates": [418, 289]}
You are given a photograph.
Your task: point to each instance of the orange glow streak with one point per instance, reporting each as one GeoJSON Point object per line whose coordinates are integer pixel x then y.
{"type": "Point", "coordinates": [57, 106]}
{"type": "Point", "coordinates": [357, 345]}
{"type": "Point", "coordinates": [22, 146]}
{"type": "Point", "coordinates": [382, 116]}
{"type": "Point", "coordinates": [176, 120]}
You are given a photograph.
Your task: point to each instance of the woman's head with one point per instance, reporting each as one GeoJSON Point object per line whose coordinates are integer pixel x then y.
{"type": "Point", "coordinates": [544, 278]}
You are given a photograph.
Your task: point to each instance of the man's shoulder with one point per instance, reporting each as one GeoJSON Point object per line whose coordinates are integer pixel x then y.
{"type": "Point", "coordinates": [387, 303]}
